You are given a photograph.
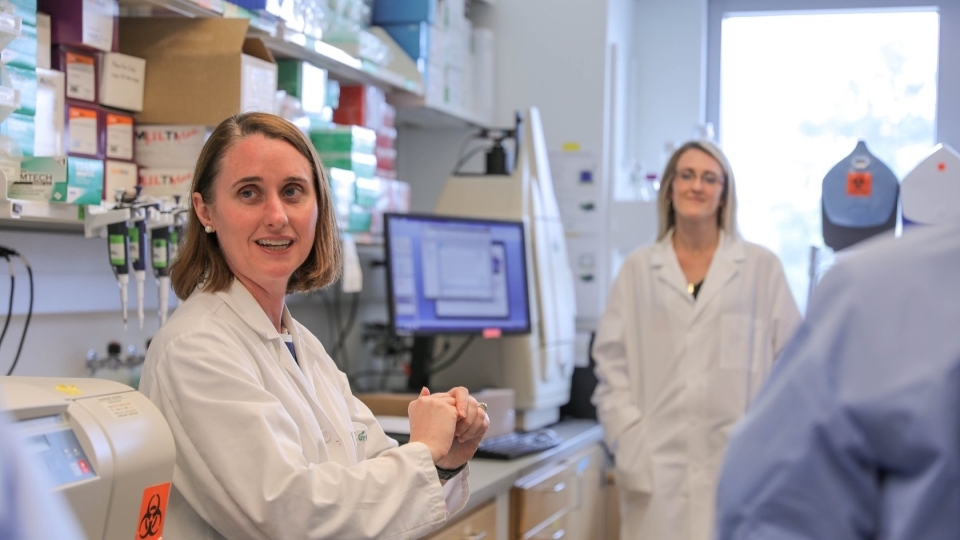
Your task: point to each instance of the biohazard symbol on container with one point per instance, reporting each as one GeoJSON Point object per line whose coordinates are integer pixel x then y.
{"type": "Point", "coordinates": [859, 183]}
{"type": "Point", "coordinates": [152, 511]}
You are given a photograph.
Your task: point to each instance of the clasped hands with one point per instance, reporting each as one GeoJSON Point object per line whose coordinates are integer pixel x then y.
{"type": "Point", "coordinates": [451, 425]}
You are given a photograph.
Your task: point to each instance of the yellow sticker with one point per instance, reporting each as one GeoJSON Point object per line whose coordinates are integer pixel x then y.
{"type": "Point", "coordinates": [570, 147]}
{"type": "Point", "coordinates": [68, 389]}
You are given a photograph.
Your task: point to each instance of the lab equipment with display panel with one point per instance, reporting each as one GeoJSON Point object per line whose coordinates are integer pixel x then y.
{"type": "Point", "coordinates": [453, 276]}
{"type": "Point", "coordinates": [106, 447]}
{"type": "Point", "coordinates": [537, 365]}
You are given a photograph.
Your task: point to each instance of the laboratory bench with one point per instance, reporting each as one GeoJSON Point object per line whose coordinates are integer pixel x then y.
{"type": "Point", "coordinates": [557, 493]}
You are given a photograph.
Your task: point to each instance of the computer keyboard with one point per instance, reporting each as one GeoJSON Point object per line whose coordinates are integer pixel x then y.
{"type": "Point", "coordinates": [517, 444]}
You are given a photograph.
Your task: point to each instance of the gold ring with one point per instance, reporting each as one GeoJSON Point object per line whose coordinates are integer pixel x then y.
{"type": "Point", "coordinates": [482, 405]}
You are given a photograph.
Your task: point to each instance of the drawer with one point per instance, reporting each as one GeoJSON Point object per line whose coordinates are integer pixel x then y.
{"type": "Point", "coordinates": [481, 524]}
{"type": "Point", "coordinates": [540, 500]}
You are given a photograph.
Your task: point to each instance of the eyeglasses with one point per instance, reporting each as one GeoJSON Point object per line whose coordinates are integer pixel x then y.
{"type": "Point", "coordinates": [708, 178]}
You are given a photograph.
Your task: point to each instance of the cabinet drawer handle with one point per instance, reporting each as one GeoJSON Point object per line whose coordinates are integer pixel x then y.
{"type": "Point", "coordinates": [556, 488]}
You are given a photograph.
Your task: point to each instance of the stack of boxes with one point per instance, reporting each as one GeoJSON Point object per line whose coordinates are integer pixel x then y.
{"type": "Point", "coordinates": [10, 148]}
{"type": "Point", "coordinates": [456, 62]}
{"type": "Point", "coordinates": [19, 72]}
{"type": "Point", "coordinates": [359, 157]}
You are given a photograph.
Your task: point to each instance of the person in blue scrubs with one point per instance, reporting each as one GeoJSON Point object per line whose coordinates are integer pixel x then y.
{"type": "Point", "coordinates": [857, 433]}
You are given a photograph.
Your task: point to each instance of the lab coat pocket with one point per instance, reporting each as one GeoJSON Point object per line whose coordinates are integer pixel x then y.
{"type": "Point", "coordinates": [737, 336]}
{"type": "Point", "coordinates": [360, 440]}
{"type": "Point", "coordinates": [633, 465]}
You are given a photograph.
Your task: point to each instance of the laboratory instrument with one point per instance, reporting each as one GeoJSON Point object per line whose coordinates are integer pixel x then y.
{"type": "Point", "coordinates": [106, 446]}
{"type": "Point", "coordinates": [538, 365]}
{"type": "Point", "coordinates": [860, 195]}
{"type": "Point", "coordinates": [454, 275]}
{"type": "Point", "coordinates": [118, 241]}
{"type": "Point", "coordinates": [930, 193]}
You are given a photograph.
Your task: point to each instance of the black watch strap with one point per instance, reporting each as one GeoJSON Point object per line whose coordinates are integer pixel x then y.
{"type": "Point", "coordinates": [446, 474]}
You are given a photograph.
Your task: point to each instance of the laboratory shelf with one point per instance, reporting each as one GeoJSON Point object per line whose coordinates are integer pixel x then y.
{"type": "Point", "coordinates": [400, 78]}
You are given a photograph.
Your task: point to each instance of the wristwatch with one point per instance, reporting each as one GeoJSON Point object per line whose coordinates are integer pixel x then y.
{"type": "Point", "coordinates": [446, 474]}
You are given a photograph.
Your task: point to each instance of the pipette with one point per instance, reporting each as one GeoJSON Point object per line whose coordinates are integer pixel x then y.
{"type": "Point", "coordinates": [119, 244]}
{"type": "Point", "coordinates": [138, 256]}
{"type": "Point", "coordinates": [160, 247]}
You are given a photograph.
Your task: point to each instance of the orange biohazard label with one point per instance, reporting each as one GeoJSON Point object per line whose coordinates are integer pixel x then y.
{"type": "Point", "coordinates": [859, 183]}
{"type": "Point", "coordinates": [153, 512]}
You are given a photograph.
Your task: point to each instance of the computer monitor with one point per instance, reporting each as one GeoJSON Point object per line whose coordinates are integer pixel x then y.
{"type": "Point", "coordinates": [453, 275]}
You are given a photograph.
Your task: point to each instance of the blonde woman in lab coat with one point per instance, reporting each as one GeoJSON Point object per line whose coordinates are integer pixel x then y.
{"type": "Point", "coordinates": [692, 326]}
{"type": "Point", "coordinates": [271, 443]}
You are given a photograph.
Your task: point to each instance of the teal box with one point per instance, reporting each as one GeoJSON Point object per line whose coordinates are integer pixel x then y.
{"type": "Point", "coordinates": [25, 9]}
{"type": "Point", "coordinates": [362, 165]}
{"type": "Point", "coordinates": [24, 80]}
{"type": "Point", "coordinates": [38, 175]}
{"type": "Point", "coordinates": [84, 184]}
{"type": "Point", "coordinates": [22, 51]}
{"type": "Point", "coordinates": [20, 128]}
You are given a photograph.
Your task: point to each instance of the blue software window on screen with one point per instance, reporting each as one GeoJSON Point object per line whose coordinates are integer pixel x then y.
{"type": "Point", "coordinates": [453, 275]}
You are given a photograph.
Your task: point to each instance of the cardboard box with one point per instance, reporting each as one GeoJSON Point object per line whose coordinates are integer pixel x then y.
{"type": "Point", "coordinates": [387, 404]}
{"type": "Point", "coordinates": [37, 177]}
{"type": "Point", "coordinates": [121, 81]}
{"type": "Point", "coordinates": [201, 70]}
{"type": "Point", "coordinates": [22, 51]}
{"type": "Point", "coordinates": [168, 146]}
{"type": "Point", "coordinates": [49, 120]}
{"type": "Point", "coordinates": [118, 134]}
{"type": "Point", "coordinates": [24, 80]}
{"type": "Point", "coordinates": [80, 67]}
{"type": "Point", "coordinates": [83, 130]}
{"type": "Point", "coordinates": [43, 41]}
{"type": "Point", "coordinates": [25, 9]}
{"type": "Point", "coordinates": [87, 23]}
{"type": "Point", "coordinates": [20, 128]}
{"type": "Point", "coordinates": [304, 81]}
{"type": "Point", "coordinates": [118, 175]}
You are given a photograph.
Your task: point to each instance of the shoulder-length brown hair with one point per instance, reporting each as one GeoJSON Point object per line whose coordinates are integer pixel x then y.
{"type": "Point", "coordinates": [726, 214]}
{"type": "Point", "coordinates": [200, 262]}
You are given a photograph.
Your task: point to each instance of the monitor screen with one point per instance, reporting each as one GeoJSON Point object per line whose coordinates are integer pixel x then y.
{"type": "Point", "coordinates": [453, 275]}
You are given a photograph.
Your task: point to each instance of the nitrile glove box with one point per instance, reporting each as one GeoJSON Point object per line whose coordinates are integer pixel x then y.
{"type": "Point", "coordinates": [22, 51]}
{"type": "Point", "coordinates": [84, 184]}
{"type": "Point", "coordinates": [202, 71]}
{"type": "Point", "coordinates": [86, 23]}
{"type": "Point", "coordinates": [83, 130]}
{"type": "Point", "coordinates": [344, 139]}
{"type": "Point", "coordinates": [50, 117]}
{"type": "Point", "coordinates": [121, 81]}
{"type": "Point", "coordinates": [403, 11]}
{"type": "Point", "coordinates": [80, 67]}
{"type": "Point", "coordinates": [413, 38]}
{"type": "Point", "coordinates": [304, 81]}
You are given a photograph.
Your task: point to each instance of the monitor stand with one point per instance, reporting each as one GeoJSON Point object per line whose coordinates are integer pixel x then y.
{"type": "Point", "coordinates": [421, 362]}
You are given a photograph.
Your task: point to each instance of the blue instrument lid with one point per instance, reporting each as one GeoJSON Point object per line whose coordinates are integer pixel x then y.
{"type": "Point", "coordinates": [860, 191]}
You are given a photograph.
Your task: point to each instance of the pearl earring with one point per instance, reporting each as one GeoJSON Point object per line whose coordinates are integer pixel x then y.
{"type": "Point", "coordinates": [208, 229]}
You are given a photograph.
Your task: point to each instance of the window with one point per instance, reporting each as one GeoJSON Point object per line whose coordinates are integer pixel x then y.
{"type": "Point", "coordinates": [793, 94]}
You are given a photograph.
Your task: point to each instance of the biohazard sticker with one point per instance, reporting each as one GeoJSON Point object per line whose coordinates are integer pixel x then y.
{"type": "Point", "coordinates": [153, 512]}
{"type": "Point", "coordinates": [859, 183]}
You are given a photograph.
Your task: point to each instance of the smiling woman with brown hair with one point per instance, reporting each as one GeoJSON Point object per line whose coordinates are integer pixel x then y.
{"type": "Point", "coordinates": [691, 329]}
{"type": "Point", "coordinates": [271, 443]}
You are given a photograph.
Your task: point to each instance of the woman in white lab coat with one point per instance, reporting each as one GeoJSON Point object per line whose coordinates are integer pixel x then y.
{"type": "Point", "coordinates": [271, 443]}
{"type": "Point", "coordinates": [691, 328]}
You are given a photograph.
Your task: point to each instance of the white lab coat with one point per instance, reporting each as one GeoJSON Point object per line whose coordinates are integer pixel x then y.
{"type": "Point", "coordinates": [675, 373]}
{"type": "Point", "coordinates": [267, 449]}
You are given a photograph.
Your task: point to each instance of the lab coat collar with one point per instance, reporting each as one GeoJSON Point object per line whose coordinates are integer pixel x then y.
{"type": "Point", "coordinates": [724, 266]}
{"type": "Point", "coordinates": [245, 305]}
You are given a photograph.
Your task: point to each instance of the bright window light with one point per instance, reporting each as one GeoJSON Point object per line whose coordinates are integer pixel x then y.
{"type": "Point", "coordinates": [796, 94]}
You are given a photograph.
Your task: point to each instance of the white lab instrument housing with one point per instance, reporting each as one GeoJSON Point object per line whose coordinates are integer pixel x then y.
{"type": "Point", "coordinates": [121, 436]}
{"type": "Point", "coordinates": [930, 193]}
{"type": "Point", "coordinates": [537, 366]}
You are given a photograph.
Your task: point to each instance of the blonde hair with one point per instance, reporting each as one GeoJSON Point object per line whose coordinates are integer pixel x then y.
{"type": "Point", "coordinates": [201, 262]}
{"type": "Point", "coordinates": [726, 214]}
